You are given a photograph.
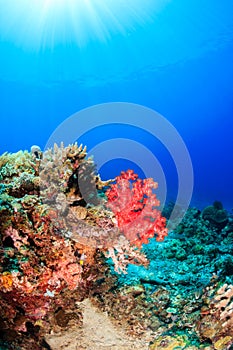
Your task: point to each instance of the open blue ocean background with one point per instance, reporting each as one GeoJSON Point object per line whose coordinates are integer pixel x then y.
{"type": "Point", "coordinates": [175, 57]}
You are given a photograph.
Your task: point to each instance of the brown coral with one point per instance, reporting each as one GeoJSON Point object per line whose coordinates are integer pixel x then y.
{"type": "Point", "coordinates": [217, 316]}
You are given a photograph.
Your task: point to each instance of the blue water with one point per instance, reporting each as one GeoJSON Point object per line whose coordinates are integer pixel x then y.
{"type": "Point", "coordinates": [174, 57]}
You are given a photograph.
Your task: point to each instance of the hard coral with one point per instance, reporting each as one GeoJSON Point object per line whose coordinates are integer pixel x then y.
{"type": "Point", "coordinates": [216, 215]}
{"type": "Point", "coordinates": [216, 323]}
{"type": "Point", "coordinates": [67, 170]}
{"type": "Point", "coordinates": [133, 202]}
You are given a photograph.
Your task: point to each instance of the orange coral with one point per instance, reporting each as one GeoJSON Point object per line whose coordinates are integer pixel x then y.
{"type": "Point", "coordinates": [6, 281]}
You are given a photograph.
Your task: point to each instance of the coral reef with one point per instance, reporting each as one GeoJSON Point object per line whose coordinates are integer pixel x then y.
{"type": "Point", "coordinates": [56, 231]}
{"type": "Point", "coordinates": [184, 296]}
{"type": "Point", "coordinates": [67, 237]}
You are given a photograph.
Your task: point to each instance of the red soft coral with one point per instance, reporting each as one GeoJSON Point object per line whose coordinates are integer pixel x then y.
{"type": "Point", "coordinates": [133, 203]}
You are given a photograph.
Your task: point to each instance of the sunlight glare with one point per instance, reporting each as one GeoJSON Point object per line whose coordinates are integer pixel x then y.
{"type": "Point", "coordinates": [44, 23]}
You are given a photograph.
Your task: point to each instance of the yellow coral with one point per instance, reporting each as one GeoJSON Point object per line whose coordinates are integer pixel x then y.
{"type": "Point", "coordinates": [6, 281]}
{"type": "Point", "coordinates": [221, 343]}
{"type": "Point", "coordinates": [169, 343]}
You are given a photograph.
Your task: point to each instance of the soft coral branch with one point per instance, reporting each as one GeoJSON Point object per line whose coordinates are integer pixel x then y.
{"type": "Point", "coordinates": [133, 203]}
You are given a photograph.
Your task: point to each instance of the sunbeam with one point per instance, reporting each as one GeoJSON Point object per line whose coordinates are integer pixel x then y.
{"type": "Point", "coordinates": [44, 23]}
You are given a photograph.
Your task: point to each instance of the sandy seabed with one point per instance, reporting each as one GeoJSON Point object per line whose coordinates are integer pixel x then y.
{"type": "Point", "coordinates": [97, 333]}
